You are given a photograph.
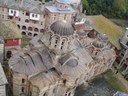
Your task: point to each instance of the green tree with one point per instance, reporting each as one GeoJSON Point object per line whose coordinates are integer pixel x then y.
{"type": "Point", "coordinates": [119, 7]}
{"type": "Point", "coordinates": [85, 4]}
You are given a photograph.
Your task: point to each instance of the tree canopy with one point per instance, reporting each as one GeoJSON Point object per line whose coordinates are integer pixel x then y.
{"type": "Point", "coordinates": [109, 8]}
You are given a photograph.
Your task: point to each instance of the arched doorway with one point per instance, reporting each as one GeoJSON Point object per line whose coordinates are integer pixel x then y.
{"type": "Point", "coordinates": [9, 54]}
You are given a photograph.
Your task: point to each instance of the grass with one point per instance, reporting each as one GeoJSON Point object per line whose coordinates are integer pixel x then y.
{"type": "Point", "coordinates": [115, 83]}
{"type": "Point", "coordinates": [24, 41]}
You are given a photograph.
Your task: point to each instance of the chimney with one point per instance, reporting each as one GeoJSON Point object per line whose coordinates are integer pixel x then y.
{"type": "Point", "coordinates": [5, 2]}
{"type": "Point", "coordinates": [42, 6]}
{"type": "Point", "coordinates": [20, 3]}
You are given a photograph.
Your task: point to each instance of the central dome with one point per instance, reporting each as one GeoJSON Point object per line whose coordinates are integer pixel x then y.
{"type": "Point", "coordinates": [62, 28]}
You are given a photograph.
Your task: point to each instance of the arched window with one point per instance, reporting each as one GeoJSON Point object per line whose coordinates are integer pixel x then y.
{"type": "Point", "coordinates": [42, 30]}
{"type": "Point", "coordinates": [29, 28]}
{"type": "Point", "coordinates": [26, 20]}
{"type": "Point", "coordinates": [23, 80]}
{"type": "Point", "coordinates": [23, 27]}
{"type": "Point", "coordinates": [62, 44]}
{"type": "Point", "coordinates": [56, 41]}
{"type": "Point", "coordinates": [22, 89]}
{"type": "Point", "coordinates": [23, 33]}
{"type": "Point", "coordinates": [36, 30]}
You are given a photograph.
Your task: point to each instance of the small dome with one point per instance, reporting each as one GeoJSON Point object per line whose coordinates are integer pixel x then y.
{"type": "Point", "coordinates": [62, 28]}
{"type": "Point", "coordinates": [81, 33]}
{"type": "Point", "coordinates": [98, 44]}
{"type": "Point", "coordinates": [103, 37]}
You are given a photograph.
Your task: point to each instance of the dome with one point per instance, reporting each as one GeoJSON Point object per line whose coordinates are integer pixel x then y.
{"type": "Point", "coordinates": [98, 44]}
{"type": "Point", "coordinates": [103, 37]}
{"type": "Point", "coordinates": [62, 28]}
{"type": "Point", "coordinates": [81, 33]}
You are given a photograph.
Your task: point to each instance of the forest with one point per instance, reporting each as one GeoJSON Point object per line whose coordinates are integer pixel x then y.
{"type": "Point", "coordinates": [108, 8]}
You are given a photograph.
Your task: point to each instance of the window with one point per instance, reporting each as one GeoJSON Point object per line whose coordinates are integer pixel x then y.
{"type": "Point", "coordinates": [27, 21]}
{"type": "Point", "coordinates": [29, 28]}
{"type": "Point", "coordinates": [18, 26]}
{"type": "Point", "coordinates": [27, 13]}
{"type": "Point", "coordinates": [22, 89]}
{"type": "Point", "coordinates": [23, 80]}
{"type": "Point", "coordinates": [23, 27]}
{"type": "Point", "coordinates": [41, 23]}
{"type": "Point", "coordinates": [36, 30]}
{"type": "Point", "coordinates": [65, 17]}
{"type": "Point", "coordinates": [54, 17]}
{"type": "Point", "coordinates": [14, 13]}
{"type": "Point", "coordinates": [36, 15]}
{"type": "Point", "coordinates": [32, 15]}
{"type": "Point", "coordinates": [11, 11]}
{"type": "Point", "coordinates": [62, 44]}
{"type": "Point", "coordinates": [64, 81]}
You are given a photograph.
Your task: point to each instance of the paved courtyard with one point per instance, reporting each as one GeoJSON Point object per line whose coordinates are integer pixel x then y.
{"type": "Point", "coordinates": [98, 87]}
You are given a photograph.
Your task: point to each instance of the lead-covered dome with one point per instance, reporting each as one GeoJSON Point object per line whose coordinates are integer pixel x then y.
{"type": "Point", "coordinates": [62, 28]}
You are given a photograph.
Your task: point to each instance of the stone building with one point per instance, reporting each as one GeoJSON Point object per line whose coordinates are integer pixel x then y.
{"type": "Point", "coordinates": [55, 63]}
{"type": "Point", "coordinates": [29, 15]}
{"type": "Point", "coordinates": [60, 10]}
{"type": "Point", "coordinates": [32, 17]}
